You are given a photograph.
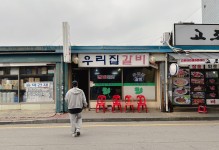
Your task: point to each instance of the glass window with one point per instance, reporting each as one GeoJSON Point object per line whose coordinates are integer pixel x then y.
{"type": "Point", "coordinates": [36, 84]}
{"type": "Point", "coordinates": [139, 75]}
{"type": "Point", "coordinates": [139, 81]}
{"type": "Point", "coordinates": [26, 84]}
{"type": "Point", "coordinates": [106, 81]}
{"type": "Point", "coordinates": [9, 85]}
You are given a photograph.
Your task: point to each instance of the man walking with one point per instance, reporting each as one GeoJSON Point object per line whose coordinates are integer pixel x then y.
{"type": "Point", "coordinates": [76, 100]}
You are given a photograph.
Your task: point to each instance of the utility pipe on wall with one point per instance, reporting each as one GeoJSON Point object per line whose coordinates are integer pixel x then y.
{"type": "Point", "coordinates": [166, 83]}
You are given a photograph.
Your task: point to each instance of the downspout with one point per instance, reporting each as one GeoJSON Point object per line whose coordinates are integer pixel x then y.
{"type": "Point", "coordinates": [166, 83]}
{"type": "Point", "coordinates": [65, 85]}
{"type": "Point", "coordinates": [62, 85]}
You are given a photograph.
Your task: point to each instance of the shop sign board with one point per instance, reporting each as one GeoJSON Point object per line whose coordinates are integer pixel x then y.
{"type": "Point", "coordinates": [197, 63]}
{"type": "Point", "coordinates": [191, 61]}
{"type": "Point", "coordinates": [196, 66]}
{"type": "Point", "coordinates": [196, 34]}
{"type": "Point", "coordinates": [212, 66]}
{"type": "Point", "coordinates": [113, 60]}
{"type": "Point", "coordinates": [212, 101]}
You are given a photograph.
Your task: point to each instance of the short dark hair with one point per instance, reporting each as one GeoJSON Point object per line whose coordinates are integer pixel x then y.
{"type": "Point", "coordinates": [75, 83]}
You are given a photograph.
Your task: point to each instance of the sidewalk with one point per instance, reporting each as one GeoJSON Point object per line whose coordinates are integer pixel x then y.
{"type": "Point", "coordinates": [49, 116]}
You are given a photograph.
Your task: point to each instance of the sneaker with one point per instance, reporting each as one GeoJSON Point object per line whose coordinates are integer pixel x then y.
{"type": "Point", "coordinates": [74, 134]}
{"type": "Point", "coordinates": [78, 132]}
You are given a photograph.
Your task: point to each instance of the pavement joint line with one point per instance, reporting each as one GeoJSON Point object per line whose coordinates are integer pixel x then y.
{"type": "Point", "coordinates": [107, 125]}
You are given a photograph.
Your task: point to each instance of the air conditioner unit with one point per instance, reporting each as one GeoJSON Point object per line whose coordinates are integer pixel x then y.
{"type": "Point", "coordinates": [166, 37]}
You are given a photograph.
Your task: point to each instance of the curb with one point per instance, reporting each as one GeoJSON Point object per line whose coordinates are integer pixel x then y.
{"type": "Point", "coordinates": [110, 120]}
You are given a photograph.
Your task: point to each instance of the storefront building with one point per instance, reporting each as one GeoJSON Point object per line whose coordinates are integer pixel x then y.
{"type": "Point", "coordinates": [30, 78]}
{"type": "Point", "coordinates": [197, 79]}
{"type": "Point", "coordinates": [196, 54]}
{"type": "Point", "coordinates": [122, 70]}
{"type": "Point", "coordinates": [36, 78]}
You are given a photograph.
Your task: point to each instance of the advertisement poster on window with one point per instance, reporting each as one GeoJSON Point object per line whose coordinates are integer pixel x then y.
{"type": "Point", "coordinates": [39, 91]}
{"type": "Point", "coordinates": [139, 81]}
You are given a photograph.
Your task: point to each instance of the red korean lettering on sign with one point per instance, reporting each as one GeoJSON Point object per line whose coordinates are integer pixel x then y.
{"type": "Point", "coordinates": [127, 59]}
{"type": "Point", "coordinates": [140, 58]}
{"type": "Point", "coordinates": [196, 67]}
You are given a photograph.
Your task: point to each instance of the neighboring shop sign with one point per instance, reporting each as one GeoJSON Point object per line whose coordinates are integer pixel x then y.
{"type": "Point", "coordinates": [197, 63]}
{"type": "Point", "coordinates": [196, 66]}
{"type": "Point", "coordinates": [113, 60]}
{"type": "Point", "coordinates": [212, 66]}
{"type": "Point", "coordinates": [191, 61]}
{"type": "Point", "coordinates": [196, 34]}
{"type": "Point", "coordinates": [207, 66]}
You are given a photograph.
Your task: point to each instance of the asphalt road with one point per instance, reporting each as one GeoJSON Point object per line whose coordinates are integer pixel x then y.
{"type": "Point", "coordinates": [192, 135]}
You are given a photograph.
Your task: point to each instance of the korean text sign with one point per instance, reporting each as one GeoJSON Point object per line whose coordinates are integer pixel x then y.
{"type": "Point", "coordinates": [113, 60]}
{"type": "Point", "coordinates": [196, 34]}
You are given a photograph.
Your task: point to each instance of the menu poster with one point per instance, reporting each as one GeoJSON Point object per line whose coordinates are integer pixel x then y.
{"type": "Point", "coordinates": [211, 95]}
{"type": "Point", "coordinates": [181, 82]}
{"type": "Point", "coordinates": [197, 88]}
{"type": "Point", "coordinates": [198, 94]}
{"type": "Point", "coordinates": [182, 100]}
{"type": "Point", "coordinates": [183, 73]}
{"type": "Point", "coordinates": [211, 74]}
{"type": "Point", "coordinates": [197, 74]}
{"type": "Point", "coordinates": [197, 101]}
{"type": "Point", "coordinates": [181, 90]}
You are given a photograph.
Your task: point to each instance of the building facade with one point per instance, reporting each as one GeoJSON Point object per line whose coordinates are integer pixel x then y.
{"type": "Point", "coordinates": [37, 78]}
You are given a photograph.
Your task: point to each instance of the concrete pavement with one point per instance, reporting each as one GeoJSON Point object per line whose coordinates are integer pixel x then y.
{"type": "Point", "coordinates": [49, 116]}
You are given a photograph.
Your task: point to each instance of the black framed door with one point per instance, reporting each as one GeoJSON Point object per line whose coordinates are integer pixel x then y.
{"type": "Point", "coordinates": [81, 75]}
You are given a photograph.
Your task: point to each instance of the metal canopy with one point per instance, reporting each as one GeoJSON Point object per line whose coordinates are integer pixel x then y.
{"type": "Point", "coordinates": [195, 55]}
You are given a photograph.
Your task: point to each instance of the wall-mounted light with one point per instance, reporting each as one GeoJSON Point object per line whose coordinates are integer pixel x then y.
{"type": "Point", "coordinates": [152, 60]}
{"type": "Point", "coordinates": [174, 68]}
{"type": "Point", "coordinates": [96, 72]}
{"type": "Point", "coordinates": [75, 59]}
{"type": "Point", "coordinates": [114, 72]}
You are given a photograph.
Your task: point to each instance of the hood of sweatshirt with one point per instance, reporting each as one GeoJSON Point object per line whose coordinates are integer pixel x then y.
{"type": "Point", "coordinates": [75, 90]}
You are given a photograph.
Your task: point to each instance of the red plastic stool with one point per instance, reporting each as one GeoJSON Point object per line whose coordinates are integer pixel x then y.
{"type": "Point", "coordinates": [202, 108]}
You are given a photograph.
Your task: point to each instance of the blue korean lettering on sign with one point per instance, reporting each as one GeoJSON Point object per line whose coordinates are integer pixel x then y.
{"type": "Point", "coordinates": [101, 58]}
{"type": "Point", "coordinates": [87, 60]}
{"type": "Point", "coordinates": [114, 59]}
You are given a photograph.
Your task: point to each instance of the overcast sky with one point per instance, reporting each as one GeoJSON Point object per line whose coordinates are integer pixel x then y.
{"type": "Point", "coordinates": [92, 22]}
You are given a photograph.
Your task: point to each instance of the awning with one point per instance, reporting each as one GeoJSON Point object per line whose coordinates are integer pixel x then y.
{"type": "Point", "coordinates": [195, 55]}
{"type": "Point", "coordinates": [195, 58]}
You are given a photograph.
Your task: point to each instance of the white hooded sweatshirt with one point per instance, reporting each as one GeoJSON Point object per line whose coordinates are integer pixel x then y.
{"type": "Point", "coordinates": [75, 98]}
